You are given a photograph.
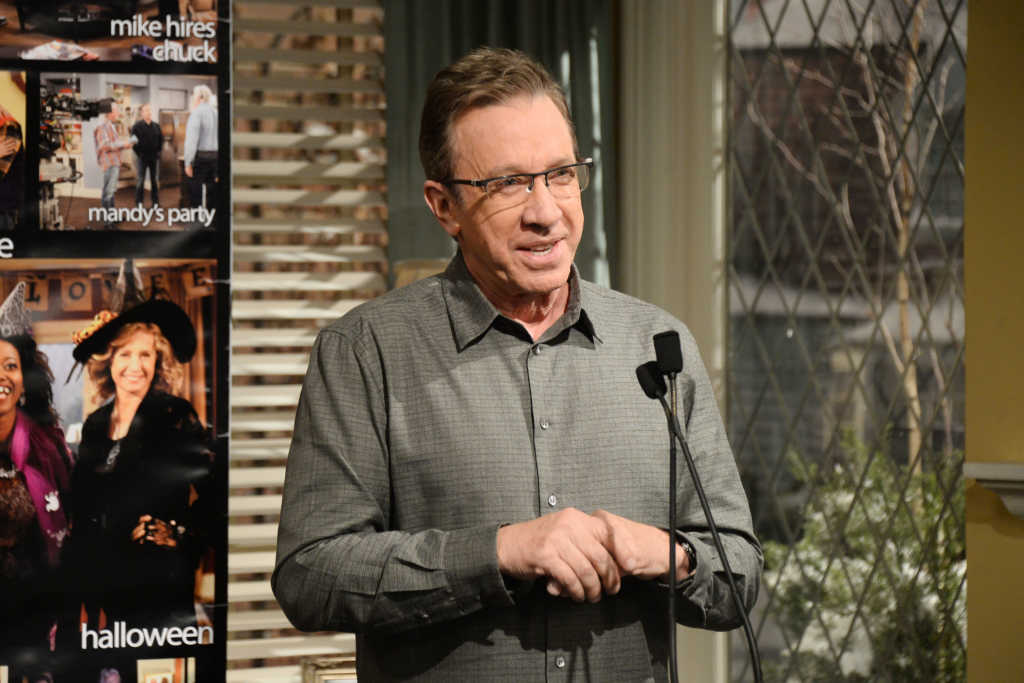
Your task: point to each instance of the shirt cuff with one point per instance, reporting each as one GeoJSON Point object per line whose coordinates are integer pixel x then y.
{"type": "Point", "coordinates": [471, 564]}
{"type": "Point", "coordinates": [696, 588]}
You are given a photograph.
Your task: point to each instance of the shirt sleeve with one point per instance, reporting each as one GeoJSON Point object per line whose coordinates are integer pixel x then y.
{"type": "Point", "coordinates": [194, 447]}
{"type": "Point", "coordinates": [340, 563]}
{"type": "Point", "coordinates": [137, 131]}
{"type": "Point", "coordinates": [706, 597]}
{"type": "Point", "coordinates": [103, 141]}
{"type": "Point", "coordinates": [192, 130]}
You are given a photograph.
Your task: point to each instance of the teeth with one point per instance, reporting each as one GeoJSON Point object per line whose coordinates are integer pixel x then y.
{"type": "Point", "coordinates": [541, 250]}
{"type": "Point", "coordinates": [5, 390]}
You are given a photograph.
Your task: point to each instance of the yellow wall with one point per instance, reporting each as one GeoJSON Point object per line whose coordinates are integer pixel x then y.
{"type": "Point", "coordinates": [994, 280]}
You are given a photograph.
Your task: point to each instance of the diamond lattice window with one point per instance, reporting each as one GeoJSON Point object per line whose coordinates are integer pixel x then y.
{"type": "Point", "coordinates": [846, 329]}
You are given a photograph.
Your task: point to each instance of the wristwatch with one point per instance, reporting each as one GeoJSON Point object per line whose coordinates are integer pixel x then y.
{"type": "Point", "coordinates": [691, 555]}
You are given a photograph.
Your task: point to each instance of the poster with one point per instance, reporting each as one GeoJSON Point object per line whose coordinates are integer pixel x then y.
{"type": "Point", "coordinates": [114, 264]}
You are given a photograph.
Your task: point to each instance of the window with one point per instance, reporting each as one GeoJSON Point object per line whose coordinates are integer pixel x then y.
{"type": "Point", "coordinates": [846, 332]}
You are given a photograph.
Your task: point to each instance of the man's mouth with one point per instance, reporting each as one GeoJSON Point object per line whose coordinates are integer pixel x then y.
{"type": "Point", "coordinates": [6, 391]}
{"type": "Point", "coordinates": [540, 249]}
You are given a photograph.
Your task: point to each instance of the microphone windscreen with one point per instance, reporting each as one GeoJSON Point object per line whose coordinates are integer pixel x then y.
{"type": "Point", "coordinates": [668, 352]}
{"type": "Point", "coordinates": [651, 379]}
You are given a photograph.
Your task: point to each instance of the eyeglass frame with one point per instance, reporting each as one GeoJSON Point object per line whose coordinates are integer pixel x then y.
{"type": "Point", "coordinates": [588, 163]}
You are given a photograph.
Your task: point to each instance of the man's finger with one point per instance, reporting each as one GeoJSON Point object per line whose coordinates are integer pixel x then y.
{"type": "Point", "coordinates": [586, 567]}
{"type": "Point", "coordinates": [622, 544]}
{"type": "Point", "coordinates": [603, 561]}
{"type": "Point", "coordinates": [565, 576]}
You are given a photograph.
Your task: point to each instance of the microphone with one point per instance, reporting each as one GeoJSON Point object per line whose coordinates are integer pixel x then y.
{"type": "Point", "coordinates": [668, 352]}
{"type": "Point", "coordinates": [651, 376]}
{"type": "Point", "coordinates": [651, 379]}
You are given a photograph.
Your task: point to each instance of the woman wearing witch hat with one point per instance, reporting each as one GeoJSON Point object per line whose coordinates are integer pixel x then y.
{"type": "Point", "coordinates": [144, 507]}
{"type": "Point", "coordinates": [34, 477]}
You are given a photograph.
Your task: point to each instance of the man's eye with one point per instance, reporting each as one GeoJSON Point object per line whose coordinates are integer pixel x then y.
{"type": "Point", "coordinates": [562, 176]}
{"type": "Point", "coordinates": [511, 183]}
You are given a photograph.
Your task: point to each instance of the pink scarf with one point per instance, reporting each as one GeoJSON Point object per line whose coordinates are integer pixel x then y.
{"type": "Point", "coordinates": [34, 452]}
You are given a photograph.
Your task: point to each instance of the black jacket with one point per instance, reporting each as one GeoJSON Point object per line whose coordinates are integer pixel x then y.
{"type": "Point", "coordinates": [150, 139]}
{"type": "Point", "coordinates": [162, 460]}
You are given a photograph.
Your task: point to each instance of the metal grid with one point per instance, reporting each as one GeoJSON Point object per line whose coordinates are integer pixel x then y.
{"type": "Point", "coordinates": [846, 329]}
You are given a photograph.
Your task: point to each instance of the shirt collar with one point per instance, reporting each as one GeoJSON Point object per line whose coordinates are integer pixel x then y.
{"type": "Point", "coordinates": [471, 314]}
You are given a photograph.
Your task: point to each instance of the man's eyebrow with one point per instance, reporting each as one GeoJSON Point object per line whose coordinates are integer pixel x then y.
{"type": "Point", "coordinates": [511, 169]}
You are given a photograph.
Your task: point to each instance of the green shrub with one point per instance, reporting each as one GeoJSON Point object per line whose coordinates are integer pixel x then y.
{"type": "Point", "coordinates": [875, 587]}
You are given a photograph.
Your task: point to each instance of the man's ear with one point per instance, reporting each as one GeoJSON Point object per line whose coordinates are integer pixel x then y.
{"type": "Point", "coordinates": [442, 204]}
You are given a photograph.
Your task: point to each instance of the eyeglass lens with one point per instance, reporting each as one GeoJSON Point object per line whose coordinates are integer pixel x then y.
{"type": "Point", "coordinates": [566, 181]}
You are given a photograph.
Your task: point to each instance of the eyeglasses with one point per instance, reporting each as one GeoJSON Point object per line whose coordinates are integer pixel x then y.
{"type": "Point", "coordinates": [563, 181]}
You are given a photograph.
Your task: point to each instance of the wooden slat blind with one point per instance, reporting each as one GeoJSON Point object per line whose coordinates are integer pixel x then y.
{"type": "Point", "coordinates": [310, 241]}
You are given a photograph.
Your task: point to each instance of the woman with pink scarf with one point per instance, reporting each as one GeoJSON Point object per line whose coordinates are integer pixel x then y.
{"type": "Point", "coordinates": [34, 476]}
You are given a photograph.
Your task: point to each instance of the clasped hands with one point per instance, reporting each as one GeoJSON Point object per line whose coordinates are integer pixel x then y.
{"type": "Point", "coordinates": [586, 555]}
{"type": "Point", "coordinates": [155, 531]}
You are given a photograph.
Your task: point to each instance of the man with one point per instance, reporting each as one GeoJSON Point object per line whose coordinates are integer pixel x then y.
{"type": "Point", "coordinates": [12, 170]}
{"type": "Point", "coordinates": [108, 154]}
{"type": "Point", "coordinates": [477, 485]}
{"type": "Point", "coordinates": [150, 140]}
{"type": "Point", "coordinates": [201, 148]}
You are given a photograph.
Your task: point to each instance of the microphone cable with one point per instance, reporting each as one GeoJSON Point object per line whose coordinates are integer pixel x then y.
{"type": "Point", "coordinates": [748, 631]}
{"type": "Point", "coordinates": [652, 379]}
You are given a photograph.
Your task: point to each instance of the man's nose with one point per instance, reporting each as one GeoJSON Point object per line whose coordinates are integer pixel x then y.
{"type": "Point", "coordinates": [541, 206]}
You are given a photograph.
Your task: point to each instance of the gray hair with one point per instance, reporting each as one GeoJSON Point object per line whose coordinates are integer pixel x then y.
{"type": "Point", "coordinates": [202, 92]}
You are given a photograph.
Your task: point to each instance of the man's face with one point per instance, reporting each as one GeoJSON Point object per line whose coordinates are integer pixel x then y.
{"type": "Point", "coordinates": [147, 113]}
{"type": "Point", "coordinates": [527, 247]}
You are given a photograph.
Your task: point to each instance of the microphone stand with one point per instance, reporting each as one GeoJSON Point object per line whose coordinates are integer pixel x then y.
{"type": "Point", "coordinates": [651, 376]}
{"type": "Point", "coordinates": [673, 656]}
{"type": "Point", "coordinates": [677, 433]}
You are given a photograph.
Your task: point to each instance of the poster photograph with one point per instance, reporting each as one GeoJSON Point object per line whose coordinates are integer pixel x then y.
{"type": "Point", "coordinates": [112, 670]}
{"type": "Point", "coordinates": [140, 31]}
{"type": "Point", "coordinates": [12, 148]}
{"type": "Point", "coordinates": [111, 521]}
{"type": "Point", "coordinates": [128, 151]}
{"type": "Point", "coordinates": [114, 340]}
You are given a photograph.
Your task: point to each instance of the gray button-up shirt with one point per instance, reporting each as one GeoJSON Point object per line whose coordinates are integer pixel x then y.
{"type": "Point", "coordinates": [427, 420]}
{"type": "Point", "coordinates": [200, 132]}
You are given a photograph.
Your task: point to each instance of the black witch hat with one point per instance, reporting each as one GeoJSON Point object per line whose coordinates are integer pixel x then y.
{"type": "Point", "coordinates": [127, 298]}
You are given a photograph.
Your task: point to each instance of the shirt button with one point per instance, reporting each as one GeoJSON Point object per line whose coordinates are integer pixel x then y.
{"type": "Point", "coordinates": [560, 662]}
{"type": "Point", "coordinates": [544, 424]}
{"type": "Point", "coordinates": [536, 350]}
{"type": "Point", "coordinates": [552, 500]}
